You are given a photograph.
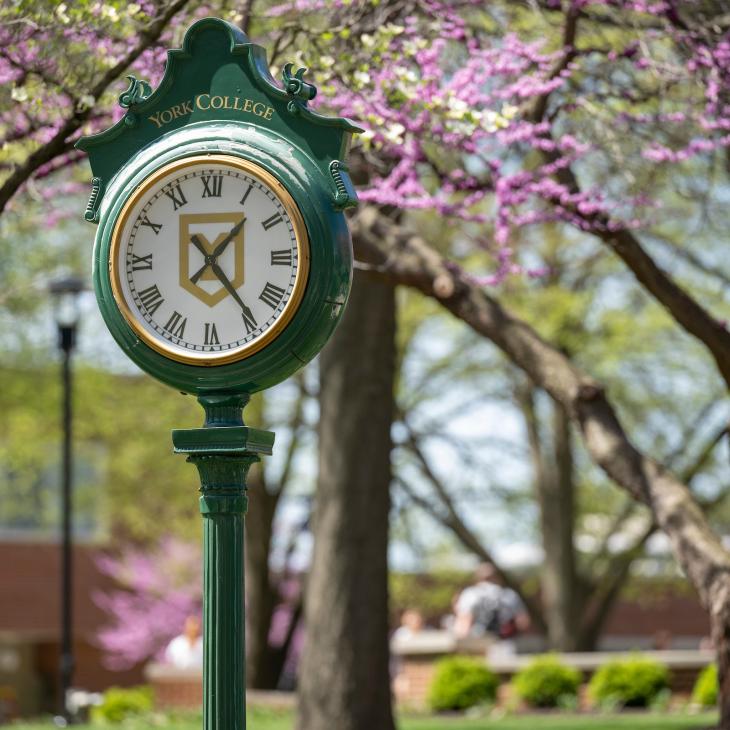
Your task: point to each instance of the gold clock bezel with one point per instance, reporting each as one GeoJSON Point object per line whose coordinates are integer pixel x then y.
{"type": "Point", "coordinates": [300, 282]}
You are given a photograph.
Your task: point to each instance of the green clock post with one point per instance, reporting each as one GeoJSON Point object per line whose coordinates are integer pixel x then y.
{"type": "Point", "coordinates": [222, 264]}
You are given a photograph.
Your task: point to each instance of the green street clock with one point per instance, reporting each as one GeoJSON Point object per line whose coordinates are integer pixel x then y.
{"type": "Point", "coordinates": [222, 260]}
{"type": "Point", "coordinates": [222, 264]}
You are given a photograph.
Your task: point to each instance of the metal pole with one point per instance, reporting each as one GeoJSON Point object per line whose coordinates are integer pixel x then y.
{"type": "Point", "coordinates": [67, 657]}
{"type": "Point", "coordinates": [223, 451]}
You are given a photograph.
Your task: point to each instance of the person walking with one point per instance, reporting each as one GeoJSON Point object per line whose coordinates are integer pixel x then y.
{"type": "Point", "coordinates": [489, 608]}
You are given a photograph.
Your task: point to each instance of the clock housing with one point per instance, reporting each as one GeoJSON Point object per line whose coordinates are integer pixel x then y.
{"type": "Point", "coordinates": [320, 296]}
{"type": "Point", "coordinates": [218, 103]}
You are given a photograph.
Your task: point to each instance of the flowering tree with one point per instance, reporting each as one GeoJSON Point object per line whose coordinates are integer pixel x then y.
{"type": "Point", "coordinates": [159, 588]}
{"type": "Point", "coordinates": [564, 125]}
{"type": "Point", "coordinates": [55, 87]}
{"type": "Point", "coordinates": [577, 115]}
{"type": "Point", "coordinates": [596, 117]}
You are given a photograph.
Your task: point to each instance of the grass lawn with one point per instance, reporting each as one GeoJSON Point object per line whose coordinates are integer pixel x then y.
{"type": "Point", "coordinates": [563, 722]}
{"type": "Point", "coordinates": [261, 719]}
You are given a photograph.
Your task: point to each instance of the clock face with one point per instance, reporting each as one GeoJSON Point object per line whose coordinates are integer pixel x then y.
{"type": "Point", "coordinates": [209, 259]}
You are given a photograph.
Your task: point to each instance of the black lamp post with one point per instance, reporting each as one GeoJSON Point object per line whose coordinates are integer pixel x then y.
{"type": "Point", "coordinates": [65, 292]}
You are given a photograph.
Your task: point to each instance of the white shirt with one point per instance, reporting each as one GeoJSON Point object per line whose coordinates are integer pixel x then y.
{"type": "Point", "coordinates": [184, 655]}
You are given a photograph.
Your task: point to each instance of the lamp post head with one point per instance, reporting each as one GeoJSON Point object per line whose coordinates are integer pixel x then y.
{"type": "Point", "coordinates": [65, 292]}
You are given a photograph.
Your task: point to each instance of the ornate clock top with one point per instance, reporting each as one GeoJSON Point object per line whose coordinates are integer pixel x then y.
{"type": "Point", "coordinates": [219, 76]}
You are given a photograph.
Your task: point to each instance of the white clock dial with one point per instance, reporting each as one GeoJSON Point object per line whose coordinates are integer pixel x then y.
{"type": "Point", "coordinates": [210, 258]}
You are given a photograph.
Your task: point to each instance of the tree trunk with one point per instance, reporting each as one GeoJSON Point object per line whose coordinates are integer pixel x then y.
{"type": "Point", "coordinates": [720, 627]}
{"type": "Point", "coordinates": [344, 681]}
{"type": "Point", "coordinates": [555, 491]}
{"type": "Point", "coordinates": [261, 672]}
{"type": "Point", "coordinates": [557, 518]}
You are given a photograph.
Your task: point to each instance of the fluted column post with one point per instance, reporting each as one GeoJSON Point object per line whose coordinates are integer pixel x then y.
{"type": "Point", "coordinates": [223, 451]}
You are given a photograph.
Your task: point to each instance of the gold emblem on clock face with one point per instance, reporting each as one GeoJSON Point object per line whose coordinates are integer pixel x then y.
{"type": "Point", "coordinates": [194, 229]}
{"type": "Point", "coordinates": [209, 259]}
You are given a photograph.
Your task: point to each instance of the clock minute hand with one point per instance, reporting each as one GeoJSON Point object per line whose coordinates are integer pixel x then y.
{"type": "Point", "coordinates": [232, 291]}
{"type": "Point", "coordinates": [218, 250]}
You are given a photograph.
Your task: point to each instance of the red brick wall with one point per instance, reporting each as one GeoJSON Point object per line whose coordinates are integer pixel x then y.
{"type": "Point", "coordinates": [181, 692]}
{"type": "Point", "coordinates": [30, 614]}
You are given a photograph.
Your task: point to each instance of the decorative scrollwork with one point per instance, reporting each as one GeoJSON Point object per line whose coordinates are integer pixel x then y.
{"type": "Point", "coordinates": [297, 88]}
{"type": "Point", "coordinates": [92, 207]}
{"type": "Point", "coordinates": [138, 91]}
{"type": "Point", "coordinates": [341, 197]}
{"type": "Point", "coordinates": [345, 196]}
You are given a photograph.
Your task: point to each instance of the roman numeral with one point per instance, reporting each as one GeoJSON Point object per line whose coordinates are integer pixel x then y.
{"type": "Point", "coordinates": [212, 185]}
{"type": "Point", "coordinates": [154, 226]}
{"type": "Point", "coordinates": [271, 295]}
{"type": "Point", "coordinates": [151, 299]}
{"type": "Point", "coordinates": [176, 195]}
{"type": "Point", "coordinates": [281, 258]}
{"type": "Point", "coordinates": [211, 334]}
{"type": "Point", "coordinates": [271, 222]}
{"type": "Point", "coordinates": [140, 263]}
{"type": "Point", "coordinates": [176, 325]}
{"type": "Point", "coordinates": [246, 194]}
{"type": "Point", "coordinates": [249, 321]}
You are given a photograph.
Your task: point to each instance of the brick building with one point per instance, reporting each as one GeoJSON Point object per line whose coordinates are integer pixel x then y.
{"type": "Point", "coordinates": [30, 615]}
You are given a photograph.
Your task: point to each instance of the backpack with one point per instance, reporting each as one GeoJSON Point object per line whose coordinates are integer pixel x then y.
{"type": "Point", "coordinates": [494, 613]}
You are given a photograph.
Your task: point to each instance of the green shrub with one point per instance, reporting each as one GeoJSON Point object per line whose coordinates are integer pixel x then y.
{"type": "Point", "coordinates": [633, 682]}
{"type": "Point", "coordinates": [545, 680]}
{"type": "Point", "coordinates": [704, 692]}
{"type": "Point", "coordinates": [460, 683]}
{"type": "Point", "coordinates": [120, 703]}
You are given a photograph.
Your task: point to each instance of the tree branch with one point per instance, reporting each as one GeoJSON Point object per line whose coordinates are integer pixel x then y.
{"type": "Point", "coordinates": [692, 259]}
{"type": "Point", "coordinates": [246, 12]}
{"type": "Point", "coordinates": [607, 590]}
{"type": "Point", "coordinates": [683, 308]}
{"type": "Point", "coordinates": [59, 142]}
{"type": "Point", "coordinates": [570, 32]}
{"type": "Point", "coordinates": [686, 475]}
{"type": "Point", "coordinates": [405, 258]}
{"type": "Point", "coordinates": [690, 471]}
{"type": "Point", "coordinates": [525, 397]}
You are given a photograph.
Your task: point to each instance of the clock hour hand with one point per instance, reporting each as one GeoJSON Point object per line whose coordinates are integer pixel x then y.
{"type": "Point", "coordinates": [216, 252]}
{"type": "Point", "coordinates": [247, 313]}
{"type": "Point", "coordinates": [198, 244]}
